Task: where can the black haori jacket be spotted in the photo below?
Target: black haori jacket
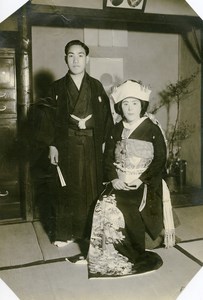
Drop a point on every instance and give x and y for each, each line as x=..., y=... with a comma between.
x=100, y=110
x=147, y=131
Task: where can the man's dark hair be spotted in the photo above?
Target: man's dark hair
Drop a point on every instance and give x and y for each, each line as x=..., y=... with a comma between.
x=76, y=42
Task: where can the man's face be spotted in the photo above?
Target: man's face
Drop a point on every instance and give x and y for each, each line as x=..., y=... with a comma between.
x=76, y=59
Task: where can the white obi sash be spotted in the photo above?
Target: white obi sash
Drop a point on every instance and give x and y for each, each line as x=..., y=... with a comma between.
x=132, y=158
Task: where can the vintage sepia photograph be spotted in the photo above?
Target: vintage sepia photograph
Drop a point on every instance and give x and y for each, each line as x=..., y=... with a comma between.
x=101, y=134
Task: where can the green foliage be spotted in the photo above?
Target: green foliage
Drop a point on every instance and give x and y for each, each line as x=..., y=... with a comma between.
x=174, y=93
x=183, y=131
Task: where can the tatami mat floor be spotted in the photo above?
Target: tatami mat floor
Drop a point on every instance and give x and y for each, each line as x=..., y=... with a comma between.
x=36, y=270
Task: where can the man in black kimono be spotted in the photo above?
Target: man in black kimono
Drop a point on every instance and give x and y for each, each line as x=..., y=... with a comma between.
x=83, y=120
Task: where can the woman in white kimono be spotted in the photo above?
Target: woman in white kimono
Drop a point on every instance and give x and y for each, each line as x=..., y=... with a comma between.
x=132, y=203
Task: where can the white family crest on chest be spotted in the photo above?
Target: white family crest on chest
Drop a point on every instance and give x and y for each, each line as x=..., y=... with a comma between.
x=100, y=99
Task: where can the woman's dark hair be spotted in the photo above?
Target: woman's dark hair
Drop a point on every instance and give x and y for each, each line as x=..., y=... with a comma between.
x=76, y=42
x=144, y=106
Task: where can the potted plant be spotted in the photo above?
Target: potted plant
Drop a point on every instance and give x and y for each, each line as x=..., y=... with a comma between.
x=173, y=94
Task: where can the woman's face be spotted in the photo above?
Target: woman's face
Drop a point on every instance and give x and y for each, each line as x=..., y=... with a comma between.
x=131, y=108
x=76, y=59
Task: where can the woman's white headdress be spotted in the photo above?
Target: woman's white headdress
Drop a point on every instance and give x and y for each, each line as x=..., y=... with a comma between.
x=130, y=89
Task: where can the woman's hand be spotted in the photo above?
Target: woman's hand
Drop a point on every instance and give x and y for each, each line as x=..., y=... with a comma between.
x=118, y=184
x=135, y=184
x=53, y=155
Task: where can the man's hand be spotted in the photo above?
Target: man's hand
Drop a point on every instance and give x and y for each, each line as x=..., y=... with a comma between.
x=53, y=155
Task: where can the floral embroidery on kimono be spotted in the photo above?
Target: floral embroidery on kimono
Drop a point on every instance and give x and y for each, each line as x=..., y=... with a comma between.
x=108, y=222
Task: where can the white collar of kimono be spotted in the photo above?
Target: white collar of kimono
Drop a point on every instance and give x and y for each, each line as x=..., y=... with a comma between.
x=133, y=126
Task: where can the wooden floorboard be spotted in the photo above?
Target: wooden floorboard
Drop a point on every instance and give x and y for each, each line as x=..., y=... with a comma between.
x=27, y=243
x=19, y=245
x=52, y=278
x=191, y=222
x=64, y=281
x=50, y=251
x=194, y=248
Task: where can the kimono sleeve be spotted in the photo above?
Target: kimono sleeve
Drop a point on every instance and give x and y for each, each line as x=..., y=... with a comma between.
x=107, y=116
x=157, y=166
x=109, y=154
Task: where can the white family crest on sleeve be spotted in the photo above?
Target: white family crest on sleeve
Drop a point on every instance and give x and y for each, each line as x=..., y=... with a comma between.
x=56, y=97
x=100, y=99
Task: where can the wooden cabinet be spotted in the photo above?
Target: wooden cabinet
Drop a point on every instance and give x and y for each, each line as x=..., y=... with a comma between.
x=9, y=161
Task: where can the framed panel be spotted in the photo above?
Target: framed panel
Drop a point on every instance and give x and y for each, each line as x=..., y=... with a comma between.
x=137, y=5
x=7, y=74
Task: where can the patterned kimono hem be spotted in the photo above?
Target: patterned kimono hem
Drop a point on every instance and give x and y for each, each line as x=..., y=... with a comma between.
x=148, y=262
